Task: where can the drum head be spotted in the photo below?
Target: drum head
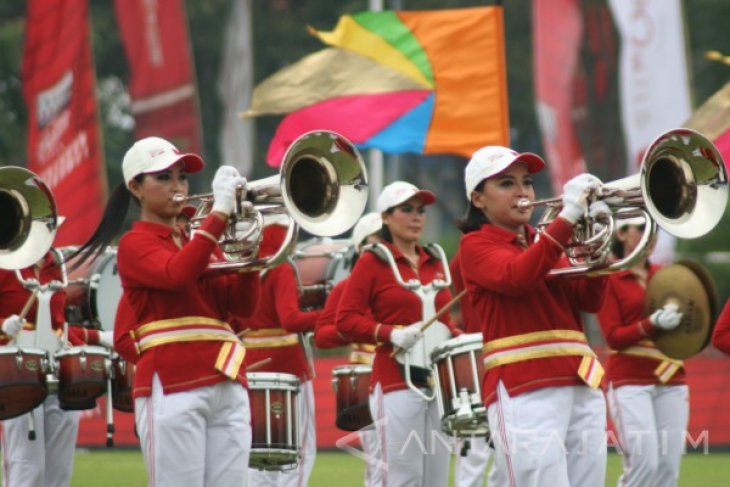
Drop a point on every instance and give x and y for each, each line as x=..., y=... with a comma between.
x=686, y=287
x=106, y=290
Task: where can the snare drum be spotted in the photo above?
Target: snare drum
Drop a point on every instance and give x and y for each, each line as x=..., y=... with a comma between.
x=122, y=384
x=22, y=380
x=351, y=384
x=94, y=290
x=458, y=374
x=320, y=264
x=275, y=440
x=82, y=376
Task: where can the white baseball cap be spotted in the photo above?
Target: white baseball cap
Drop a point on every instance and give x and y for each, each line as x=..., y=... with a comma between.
x=399, y=192
x=492, y=160
x=153, y=154
x=368, y=224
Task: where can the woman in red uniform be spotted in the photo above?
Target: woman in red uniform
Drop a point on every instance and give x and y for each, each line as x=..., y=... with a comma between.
x=191, y=404
x=721, y=332
x=276, y=332
x=47, y=460
x=375, y=308
x=547, y=415
x=647, y=393
x=365, y=232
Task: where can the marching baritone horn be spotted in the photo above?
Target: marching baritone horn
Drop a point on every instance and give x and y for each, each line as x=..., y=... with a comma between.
x=682, y=186
x=28, y=218
x=321, y=187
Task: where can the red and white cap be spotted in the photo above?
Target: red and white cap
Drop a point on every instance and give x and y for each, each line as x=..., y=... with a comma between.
x=399, y=192
x=492, y=160
x=154, y=154
x=367, y=225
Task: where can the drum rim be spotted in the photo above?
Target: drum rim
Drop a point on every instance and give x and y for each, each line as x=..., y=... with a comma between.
x=13, y=349
x=350, y=368
x=76, y=350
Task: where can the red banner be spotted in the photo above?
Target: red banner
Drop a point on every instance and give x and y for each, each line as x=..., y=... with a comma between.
x=63, y=138
x=162, y=83
x=557, y=37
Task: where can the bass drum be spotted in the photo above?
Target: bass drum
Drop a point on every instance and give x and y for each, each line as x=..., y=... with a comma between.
x=94, y=290
x=319, y=265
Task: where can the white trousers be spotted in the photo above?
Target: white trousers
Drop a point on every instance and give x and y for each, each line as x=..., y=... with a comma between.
x=373, y=462
x=553, y=437
x=298, y=477
x=416, y=452
x=46, y=461
x=650, y=422
x=470, y=470
x=195, y=438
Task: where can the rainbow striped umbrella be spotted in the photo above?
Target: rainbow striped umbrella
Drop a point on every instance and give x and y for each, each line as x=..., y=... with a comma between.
x=424, y=82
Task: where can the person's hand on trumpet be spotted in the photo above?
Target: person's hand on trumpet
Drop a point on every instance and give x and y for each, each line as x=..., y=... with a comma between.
x=405, y=338
x=576, y=197
x=225, y=182
x=666, y=318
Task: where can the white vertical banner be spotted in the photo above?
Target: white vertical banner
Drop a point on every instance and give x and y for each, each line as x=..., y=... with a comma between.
x=235, y=85
x=653, y=81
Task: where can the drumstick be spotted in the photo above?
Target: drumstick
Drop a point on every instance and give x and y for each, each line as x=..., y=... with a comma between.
x=258, y=364
x=432, y=320
x=28, y=304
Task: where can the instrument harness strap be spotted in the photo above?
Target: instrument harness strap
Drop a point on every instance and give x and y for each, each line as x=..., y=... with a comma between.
x=544, y=344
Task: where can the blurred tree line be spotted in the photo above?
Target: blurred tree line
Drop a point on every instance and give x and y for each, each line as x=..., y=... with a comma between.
x=280, y=38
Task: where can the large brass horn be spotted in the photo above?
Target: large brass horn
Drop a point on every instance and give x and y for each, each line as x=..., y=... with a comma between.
x=28, y=218
x=682, y=186
x=321, y=187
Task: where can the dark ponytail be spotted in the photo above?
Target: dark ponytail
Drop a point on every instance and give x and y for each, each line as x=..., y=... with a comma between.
x=109, y=227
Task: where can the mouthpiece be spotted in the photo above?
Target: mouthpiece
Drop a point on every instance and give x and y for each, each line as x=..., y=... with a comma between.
x=523, y=204
x=179, y=198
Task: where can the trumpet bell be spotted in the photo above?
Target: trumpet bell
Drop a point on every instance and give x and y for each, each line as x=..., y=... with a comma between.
x=28, y=218
x=684, y=183
x=325, y=183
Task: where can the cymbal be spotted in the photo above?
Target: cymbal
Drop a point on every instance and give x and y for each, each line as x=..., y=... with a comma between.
x=689, y=287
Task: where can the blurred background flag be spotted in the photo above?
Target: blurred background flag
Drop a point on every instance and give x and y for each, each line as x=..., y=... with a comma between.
x=63, y=128
x=424, y=82
x=713, y=120
x=234, y=88
x=162, y=82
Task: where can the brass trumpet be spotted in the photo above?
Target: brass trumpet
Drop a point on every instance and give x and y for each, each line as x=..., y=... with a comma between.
x=682, y=186
x=321, y=187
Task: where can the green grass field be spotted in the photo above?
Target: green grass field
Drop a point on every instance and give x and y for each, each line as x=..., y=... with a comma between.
x=124, y=468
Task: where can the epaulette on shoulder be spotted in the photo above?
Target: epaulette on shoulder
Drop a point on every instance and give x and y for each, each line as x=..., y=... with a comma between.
x=378, y=252
x=432, y=249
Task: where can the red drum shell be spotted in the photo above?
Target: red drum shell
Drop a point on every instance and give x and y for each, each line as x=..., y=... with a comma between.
x=318, y=273
x=275, y=442
x=352, y=386
x=22, y=380
x=122, y=385
x=82, y=376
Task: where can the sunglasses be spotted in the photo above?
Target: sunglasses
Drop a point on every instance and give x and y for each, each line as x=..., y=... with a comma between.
x=408, y=208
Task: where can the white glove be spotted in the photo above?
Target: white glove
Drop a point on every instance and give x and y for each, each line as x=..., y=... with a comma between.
x=575, y=196
x=12, y=325
x=666, y=318
x=598, y=208
x=106, y=339
x=405, y=338
x=224, y=189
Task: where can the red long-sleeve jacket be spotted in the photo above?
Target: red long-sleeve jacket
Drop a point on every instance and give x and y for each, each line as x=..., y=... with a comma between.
x=166, y=289
x=721, y=333
x=13, y=297
x=513, y=297
x=624, y=325
x=373, y=303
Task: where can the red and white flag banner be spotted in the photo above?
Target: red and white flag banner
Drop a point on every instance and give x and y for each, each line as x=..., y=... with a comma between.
x=63, y=135
x=653, y=76
x=162, y=83
x=557, y=36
